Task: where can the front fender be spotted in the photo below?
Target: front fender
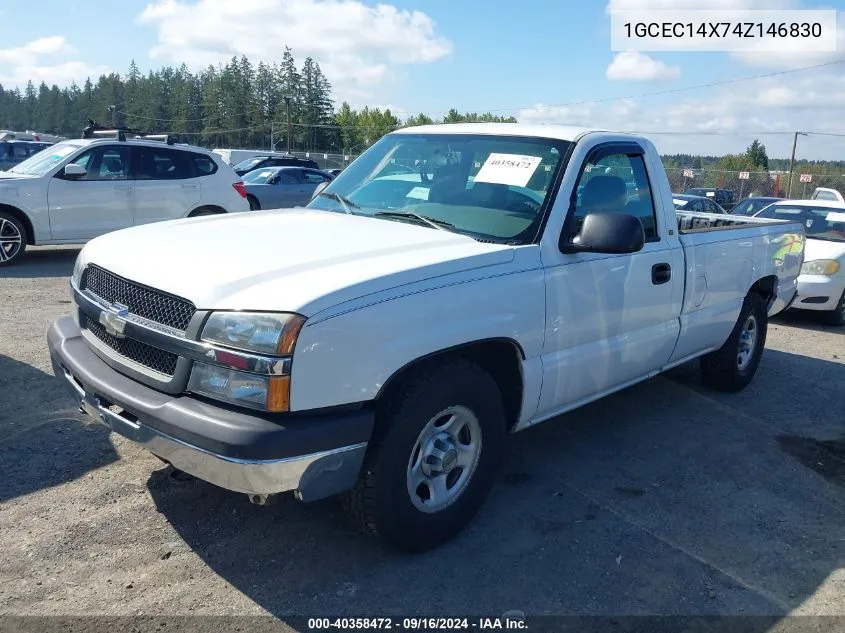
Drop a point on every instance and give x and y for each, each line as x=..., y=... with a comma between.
x=347, y=358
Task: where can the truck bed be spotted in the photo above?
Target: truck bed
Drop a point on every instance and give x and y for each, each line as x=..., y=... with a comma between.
x=691, y=222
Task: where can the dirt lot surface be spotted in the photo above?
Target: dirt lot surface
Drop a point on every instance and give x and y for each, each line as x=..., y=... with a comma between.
x=667, y=498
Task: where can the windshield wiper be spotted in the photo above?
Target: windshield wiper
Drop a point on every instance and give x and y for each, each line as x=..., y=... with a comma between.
x=344, y=202
x=440, y=225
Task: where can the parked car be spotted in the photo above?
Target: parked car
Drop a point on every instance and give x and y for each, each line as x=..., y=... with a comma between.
x=722, y=197
x=15, y=152
x=384, y=341
x=823, y=193
x=234, y=156
x=821, y=286
x=750, y=206
x=262, y=162
x=277, y=187
x=76, y=190
x=695, y=204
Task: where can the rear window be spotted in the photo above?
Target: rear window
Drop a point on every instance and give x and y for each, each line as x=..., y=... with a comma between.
x=204, y=165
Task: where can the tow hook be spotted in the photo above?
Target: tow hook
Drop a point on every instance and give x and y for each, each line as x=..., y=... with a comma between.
x=261, y=500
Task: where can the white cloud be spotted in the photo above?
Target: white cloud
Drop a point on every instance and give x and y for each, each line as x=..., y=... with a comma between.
x=724, y=120
x=357, y=46
x=47, y=59
x=634, y=66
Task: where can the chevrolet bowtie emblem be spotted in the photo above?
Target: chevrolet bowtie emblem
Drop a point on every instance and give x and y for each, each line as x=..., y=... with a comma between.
x=113, y=318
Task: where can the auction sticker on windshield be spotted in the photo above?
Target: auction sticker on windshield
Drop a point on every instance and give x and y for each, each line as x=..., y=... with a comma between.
x=508, y=169
x=835, y=216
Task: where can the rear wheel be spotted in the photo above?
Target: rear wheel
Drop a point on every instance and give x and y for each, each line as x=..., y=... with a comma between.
x=12, y=239
x=433, y=458
x=205, y=211
x=253, y=203
x=732, y=367
x=837, y=316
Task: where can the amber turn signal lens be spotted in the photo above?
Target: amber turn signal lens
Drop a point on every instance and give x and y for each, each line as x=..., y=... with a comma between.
x=290, y=332
x=278, y=394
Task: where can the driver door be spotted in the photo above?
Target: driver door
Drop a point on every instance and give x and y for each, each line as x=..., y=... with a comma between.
x=99, y=202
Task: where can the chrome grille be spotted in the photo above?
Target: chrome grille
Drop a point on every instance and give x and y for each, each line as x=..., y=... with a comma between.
x=151, y=304
x=150, y=357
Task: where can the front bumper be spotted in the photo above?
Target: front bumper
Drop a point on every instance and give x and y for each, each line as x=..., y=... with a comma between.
x=818, y=292
x=313, y=455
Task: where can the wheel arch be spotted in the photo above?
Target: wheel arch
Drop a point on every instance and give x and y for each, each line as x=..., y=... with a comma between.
x=23, y=218
x=207, y=207
x=766, y=288
x=501, y=357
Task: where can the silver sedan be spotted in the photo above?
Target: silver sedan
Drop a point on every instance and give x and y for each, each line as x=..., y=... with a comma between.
x=282, y=187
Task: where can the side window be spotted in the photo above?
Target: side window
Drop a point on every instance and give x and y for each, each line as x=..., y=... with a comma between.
x=203, y=165
x=19, y=150
x=162, y=164
x=288, y=177
x=617, y=183
x=312, y=177
x=110, y=162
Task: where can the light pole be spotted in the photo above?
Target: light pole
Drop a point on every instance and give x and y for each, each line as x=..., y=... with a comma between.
x=792, y=163
x=287, y=108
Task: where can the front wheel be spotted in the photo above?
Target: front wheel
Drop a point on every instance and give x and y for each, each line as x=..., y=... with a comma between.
x=731, y=367
x=433, y=459
x=837, y=315
x=12, y=239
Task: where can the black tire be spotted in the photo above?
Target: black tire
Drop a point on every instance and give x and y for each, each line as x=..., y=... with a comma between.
x=254, y=205
x=381, y=503
x=202, y=211
x=722, y=369
x=836, y=317
x=13, y=239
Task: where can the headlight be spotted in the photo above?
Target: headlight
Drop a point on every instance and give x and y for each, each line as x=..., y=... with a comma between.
x=267, y=393
x=820, y=267
x=257, y=332
x=78, y=267
x=267, y=336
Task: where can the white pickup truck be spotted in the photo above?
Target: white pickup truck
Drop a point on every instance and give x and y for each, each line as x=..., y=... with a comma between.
x=456, y=283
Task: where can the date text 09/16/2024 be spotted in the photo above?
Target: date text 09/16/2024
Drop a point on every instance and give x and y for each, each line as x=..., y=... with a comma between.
x=417, y=624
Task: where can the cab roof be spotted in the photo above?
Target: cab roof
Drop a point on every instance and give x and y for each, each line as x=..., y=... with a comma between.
x=558, y=132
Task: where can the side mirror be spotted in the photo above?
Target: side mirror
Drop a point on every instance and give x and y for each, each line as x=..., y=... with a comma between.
x=72, y=170
x=318, y=189
x=616, y=233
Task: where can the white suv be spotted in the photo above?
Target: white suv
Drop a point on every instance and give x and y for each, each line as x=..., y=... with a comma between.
x=75, y=190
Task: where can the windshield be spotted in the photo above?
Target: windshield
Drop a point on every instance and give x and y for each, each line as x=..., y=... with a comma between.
x=249, y=163
x=752, y=206
x=259, y=176
x=492, y=188
x=42, y=162
x=822, y=223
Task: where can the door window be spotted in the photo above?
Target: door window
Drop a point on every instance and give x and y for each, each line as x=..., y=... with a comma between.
x=616, y=183
x=162, y=164
x=110, y=162
x=312, y=177
x=287, y=177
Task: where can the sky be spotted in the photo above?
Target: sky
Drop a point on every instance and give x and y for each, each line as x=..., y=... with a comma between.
x=542, y=61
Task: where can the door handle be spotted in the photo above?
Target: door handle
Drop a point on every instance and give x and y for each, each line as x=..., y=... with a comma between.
x=189, y=186
x=122, y=187
x=660, y=274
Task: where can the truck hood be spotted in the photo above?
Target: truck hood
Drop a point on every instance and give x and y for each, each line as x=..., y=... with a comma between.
x=298, y=260
x=822, y=249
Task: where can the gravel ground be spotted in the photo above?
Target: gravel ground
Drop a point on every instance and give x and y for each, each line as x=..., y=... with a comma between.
x=665, y=499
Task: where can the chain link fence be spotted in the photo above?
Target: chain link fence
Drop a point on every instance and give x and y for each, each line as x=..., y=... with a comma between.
x=754, y=183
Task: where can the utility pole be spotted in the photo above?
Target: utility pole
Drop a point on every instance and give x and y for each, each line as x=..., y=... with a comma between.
x=287, y=107
x=792, y=163
x=272, y=147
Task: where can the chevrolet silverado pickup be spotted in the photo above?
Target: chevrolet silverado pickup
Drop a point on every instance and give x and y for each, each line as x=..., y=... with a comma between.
x=455, y=284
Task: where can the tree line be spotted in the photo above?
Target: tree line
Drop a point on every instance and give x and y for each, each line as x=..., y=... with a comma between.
x=237, y=104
